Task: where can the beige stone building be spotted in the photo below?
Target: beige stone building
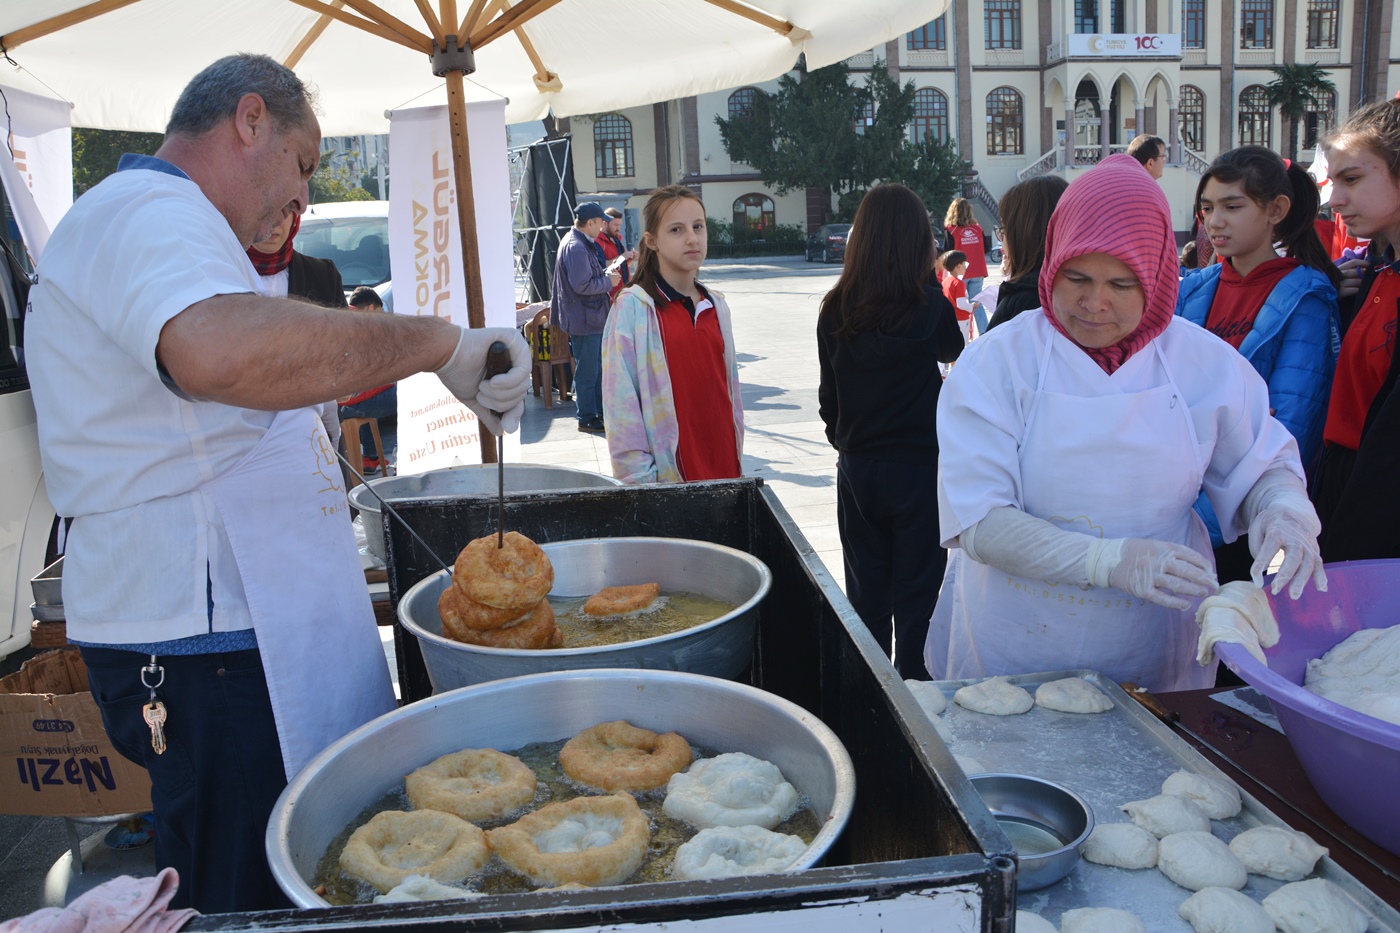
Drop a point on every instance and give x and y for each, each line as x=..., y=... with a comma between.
x=1032, y=86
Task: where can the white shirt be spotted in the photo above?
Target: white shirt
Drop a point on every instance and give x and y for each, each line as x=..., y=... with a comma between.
x=123, y=454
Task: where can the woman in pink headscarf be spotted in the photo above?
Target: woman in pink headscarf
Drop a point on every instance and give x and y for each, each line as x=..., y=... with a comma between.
x=1072, y=445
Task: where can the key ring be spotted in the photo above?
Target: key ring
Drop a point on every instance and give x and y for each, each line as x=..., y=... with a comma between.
x=152, y=668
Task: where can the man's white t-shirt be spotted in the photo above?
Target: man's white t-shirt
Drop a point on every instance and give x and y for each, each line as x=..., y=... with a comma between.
x=124, y=454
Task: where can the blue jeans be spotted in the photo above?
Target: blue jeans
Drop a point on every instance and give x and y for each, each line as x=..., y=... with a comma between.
x=588, y=374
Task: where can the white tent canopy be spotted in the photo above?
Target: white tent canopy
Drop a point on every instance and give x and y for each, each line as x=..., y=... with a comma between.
x=124, y=68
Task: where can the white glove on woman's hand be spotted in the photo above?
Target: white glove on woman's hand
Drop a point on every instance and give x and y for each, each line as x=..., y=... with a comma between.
x=1157, y=571
x=464, y=375
x=1294, y=531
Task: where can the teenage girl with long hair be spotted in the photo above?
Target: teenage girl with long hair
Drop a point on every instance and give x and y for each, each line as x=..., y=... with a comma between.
x=965, y=234
x=1280, y=312
x=879, y=333
x=670, y=377
x=1025, y=215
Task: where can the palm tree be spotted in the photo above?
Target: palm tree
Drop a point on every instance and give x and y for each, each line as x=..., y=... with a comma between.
x=1294, y=90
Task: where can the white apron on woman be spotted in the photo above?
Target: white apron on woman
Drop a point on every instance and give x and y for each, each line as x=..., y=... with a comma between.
x=1114, y=465
x=288, y=522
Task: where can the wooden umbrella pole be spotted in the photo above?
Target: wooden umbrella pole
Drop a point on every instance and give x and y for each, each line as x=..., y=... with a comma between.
x=466, y=220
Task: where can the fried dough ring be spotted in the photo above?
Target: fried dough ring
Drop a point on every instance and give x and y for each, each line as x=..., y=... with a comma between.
x=536, y=630
x=620, y=600
x=514, y=576
x=619, y=756
x=395, y=844
x=459, y=611
x=588, y=840
x=474, y=784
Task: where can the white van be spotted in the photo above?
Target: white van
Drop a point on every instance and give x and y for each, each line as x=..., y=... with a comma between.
x=352, y=234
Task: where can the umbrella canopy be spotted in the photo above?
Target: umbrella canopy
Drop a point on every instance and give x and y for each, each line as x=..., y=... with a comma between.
x=122, y=63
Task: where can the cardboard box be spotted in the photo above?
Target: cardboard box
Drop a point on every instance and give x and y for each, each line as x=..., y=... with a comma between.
x=63, y=762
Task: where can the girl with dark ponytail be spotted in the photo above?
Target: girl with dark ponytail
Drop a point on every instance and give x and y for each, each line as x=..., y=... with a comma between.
x=1279, y=311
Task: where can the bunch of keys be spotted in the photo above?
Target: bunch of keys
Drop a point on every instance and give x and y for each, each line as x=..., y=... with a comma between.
x=154, y=711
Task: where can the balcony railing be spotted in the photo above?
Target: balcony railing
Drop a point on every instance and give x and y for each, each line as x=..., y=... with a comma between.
x=1041, y=166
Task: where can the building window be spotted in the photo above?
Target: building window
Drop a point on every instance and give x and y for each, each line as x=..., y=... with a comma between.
x=612, y=146
x=1003, y=24
x=755, y=212
x=1005, y=122
x=1322, y=24
x=1254, y=117
x=741, y=103
x=866, y=118
x=1320, y=117
x=930, y=116
x=1118, y=17
x=933, y=37
x=1193, y=118
x=1256, y=24
x=1086, y=16
x=1193, y=24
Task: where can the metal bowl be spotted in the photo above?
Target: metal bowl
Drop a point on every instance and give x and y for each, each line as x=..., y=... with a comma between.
x=1046, y=822
x=479, y=479
x=366, y=764
x=720, y=648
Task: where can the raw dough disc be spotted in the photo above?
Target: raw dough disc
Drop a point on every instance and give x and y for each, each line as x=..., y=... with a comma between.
x=1219, y=799
x=1122, y=845
x=731, y=851
x=994, y=696
x=931, y=699
x=1027, y=922
x=1315, y=906
x=1223, y=910
x=1100, y=920
x=1199, y=860
x=1276, y=852
x=1072, y=695
x=1163, y=815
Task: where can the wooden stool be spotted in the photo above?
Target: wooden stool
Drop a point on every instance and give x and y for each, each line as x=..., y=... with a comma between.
x=350, y=431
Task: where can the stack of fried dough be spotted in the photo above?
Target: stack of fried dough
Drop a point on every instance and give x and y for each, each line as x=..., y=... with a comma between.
x=498, y=595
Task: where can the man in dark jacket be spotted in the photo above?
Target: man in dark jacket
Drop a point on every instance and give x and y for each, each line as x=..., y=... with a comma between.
x=579, y=307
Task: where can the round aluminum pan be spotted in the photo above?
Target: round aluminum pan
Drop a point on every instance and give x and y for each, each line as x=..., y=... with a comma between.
x=366, y=764
x=1025, y=799
x=720, y=648
x=475, y=480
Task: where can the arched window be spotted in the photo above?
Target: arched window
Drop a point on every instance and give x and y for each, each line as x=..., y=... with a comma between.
x=1321, y=116
x=1193, y=118
x=741, y=103
x=930, y=116
x=612, y=146
x=755, y=211
x=1255, y=125
x=1005, y=122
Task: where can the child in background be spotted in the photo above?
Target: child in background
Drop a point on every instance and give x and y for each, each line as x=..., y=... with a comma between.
x=670, y=377
x=954, y=265
x=1188, y=258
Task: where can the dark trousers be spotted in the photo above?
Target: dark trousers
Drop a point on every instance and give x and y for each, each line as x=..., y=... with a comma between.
x=887, y=514
x=213, y=790
x=588, y=374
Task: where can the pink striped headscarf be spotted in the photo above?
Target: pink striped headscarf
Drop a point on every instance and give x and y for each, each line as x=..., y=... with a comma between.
x=1116, y=208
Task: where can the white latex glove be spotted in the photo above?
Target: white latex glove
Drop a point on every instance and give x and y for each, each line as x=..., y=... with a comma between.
x=1157, y=571
x=464, y=376
x=1284, y=519
x=1239, y=614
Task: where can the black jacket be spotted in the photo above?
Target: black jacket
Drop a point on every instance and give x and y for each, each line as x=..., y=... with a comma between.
x=315, y=280
x=1016, y=295
x=879, y=392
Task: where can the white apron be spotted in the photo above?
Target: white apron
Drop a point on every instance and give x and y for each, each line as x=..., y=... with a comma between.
x=288, y=522
x=1120, y=465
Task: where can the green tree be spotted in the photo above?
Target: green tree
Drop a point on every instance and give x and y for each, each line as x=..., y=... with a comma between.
x=334, y=180
x=96, y=153
x=1294, y=89
x=936, y=173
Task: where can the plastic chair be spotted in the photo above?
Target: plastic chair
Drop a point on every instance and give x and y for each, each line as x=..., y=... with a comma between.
x=350, y=431
x=549, y=348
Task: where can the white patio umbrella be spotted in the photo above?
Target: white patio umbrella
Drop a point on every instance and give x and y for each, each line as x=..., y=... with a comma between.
x=122, y=63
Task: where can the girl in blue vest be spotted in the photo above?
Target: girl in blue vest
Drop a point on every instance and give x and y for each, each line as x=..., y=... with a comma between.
x=1279, y=311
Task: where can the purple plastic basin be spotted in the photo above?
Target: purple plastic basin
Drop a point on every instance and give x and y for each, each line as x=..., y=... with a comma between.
x=1352, y=759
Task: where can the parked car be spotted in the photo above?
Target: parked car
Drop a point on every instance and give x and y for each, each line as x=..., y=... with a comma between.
x=352, y=234
x=828, y=243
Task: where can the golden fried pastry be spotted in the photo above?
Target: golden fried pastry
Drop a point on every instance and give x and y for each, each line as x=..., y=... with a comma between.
x=589, y=840
x=620, y=600
x=515, y=576
x=476, y=784
x=619, y=756
x=395, y=844
x=536, y=630
x=459, y=611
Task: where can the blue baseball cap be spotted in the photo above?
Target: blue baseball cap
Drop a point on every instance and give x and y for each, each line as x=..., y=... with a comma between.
x=589, y=210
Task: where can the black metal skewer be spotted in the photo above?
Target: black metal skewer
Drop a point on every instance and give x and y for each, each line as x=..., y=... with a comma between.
x=397, y=517
x=497, y=362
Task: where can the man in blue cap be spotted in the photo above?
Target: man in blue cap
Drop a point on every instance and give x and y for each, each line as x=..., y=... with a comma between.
x=579, y=306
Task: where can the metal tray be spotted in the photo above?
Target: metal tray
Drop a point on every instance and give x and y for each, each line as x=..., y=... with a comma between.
x=47, y=585
x=43, y=613
x=1109, y=759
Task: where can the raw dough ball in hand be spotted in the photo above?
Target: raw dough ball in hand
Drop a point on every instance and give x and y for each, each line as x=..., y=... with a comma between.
x=1122, y=845
x=1199, y=860
x=1100, y=920
x=1275, y=852
x=994, y=696
x=1163, y=815
x=1027, y=922
x=1072, y=695
x=931, y=699
x=1315, y=906
x=1222, y=910
x=1219, y=799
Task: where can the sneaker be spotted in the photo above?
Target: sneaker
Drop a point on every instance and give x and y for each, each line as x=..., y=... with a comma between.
x=594, y=426
x=370, y=465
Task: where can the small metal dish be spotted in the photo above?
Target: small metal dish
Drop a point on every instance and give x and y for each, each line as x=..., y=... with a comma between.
x=1046, y=822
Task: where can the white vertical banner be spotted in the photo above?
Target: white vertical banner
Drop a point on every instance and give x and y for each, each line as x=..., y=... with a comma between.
x=36, y=163
x=425, y=251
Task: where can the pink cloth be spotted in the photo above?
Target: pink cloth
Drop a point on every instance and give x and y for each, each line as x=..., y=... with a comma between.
x=1118, y=209
x=122, y=905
